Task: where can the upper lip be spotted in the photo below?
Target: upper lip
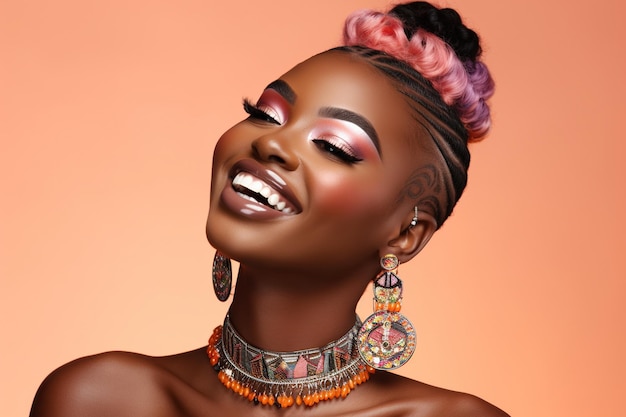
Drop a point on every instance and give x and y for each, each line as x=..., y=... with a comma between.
x=268, y=176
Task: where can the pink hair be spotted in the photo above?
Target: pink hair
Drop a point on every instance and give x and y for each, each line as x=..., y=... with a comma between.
x=464, y=86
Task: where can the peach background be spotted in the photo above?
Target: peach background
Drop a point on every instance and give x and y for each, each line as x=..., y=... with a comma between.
x=109, y=111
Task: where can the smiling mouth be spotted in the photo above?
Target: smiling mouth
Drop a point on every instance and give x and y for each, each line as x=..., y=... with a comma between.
x=252, y=188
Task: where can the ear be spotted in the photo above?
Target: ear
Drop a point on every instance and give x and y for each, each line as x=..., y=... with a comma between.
x=411, y=239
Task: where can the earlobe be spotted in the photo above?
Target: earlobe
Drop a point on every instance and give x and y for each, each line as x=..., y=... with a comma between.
x=413, y=237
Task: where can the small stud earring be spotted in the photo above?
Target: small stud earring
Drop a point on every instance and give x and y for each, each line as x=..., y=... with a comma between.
x=414, y=219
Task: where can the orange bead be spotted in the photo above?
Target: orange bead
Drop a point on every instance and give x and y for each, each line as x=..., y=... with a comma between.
x=251, y=396
x=270, y=400
x=263, y=399
x=283, y=400
x=298, y=400
x=290, y=401
x=331, y=393
x=245, y=391
x=345, y=391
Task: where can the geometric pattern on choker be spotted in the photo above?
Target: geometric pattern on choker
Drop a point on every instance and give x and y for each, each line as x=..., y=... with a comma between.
x=273, y=366
x=283, y=379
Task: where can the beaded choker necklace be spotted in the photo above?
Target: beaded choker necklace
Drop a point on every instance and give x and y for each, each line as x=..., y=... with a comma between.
x=283, y=379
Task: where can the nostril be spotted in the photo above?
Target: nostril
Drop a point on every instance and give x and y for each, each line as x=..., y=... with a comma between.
x=277, y=159
x=267, y=156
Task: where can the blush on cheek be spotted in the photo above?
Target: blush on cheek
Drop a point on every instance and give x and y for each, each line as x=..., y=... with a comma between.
x=337, y=197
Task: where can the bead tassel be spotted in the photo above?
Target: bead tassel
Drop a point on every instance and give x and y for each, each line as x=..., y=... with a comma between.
x=283, y=400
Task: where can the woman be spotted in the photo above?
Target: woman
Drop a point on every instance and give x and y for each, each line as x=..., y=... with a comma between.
x=347, y=163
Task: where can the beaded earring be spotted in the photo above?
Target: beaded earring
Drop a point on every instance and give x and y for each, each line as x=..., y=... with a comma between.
x=387, y=338
x=222, y=275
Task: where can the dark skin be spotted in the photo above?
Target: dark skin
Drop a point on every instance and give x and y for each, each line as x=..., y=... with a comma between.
x=317, y=254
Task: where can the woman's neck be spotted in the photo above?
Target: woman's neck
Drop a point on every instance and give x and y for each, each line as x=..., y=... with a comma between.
x=271, y=314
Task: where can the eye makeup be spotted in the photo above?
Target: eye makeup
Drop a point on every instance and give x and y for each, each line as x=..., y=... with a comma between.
x=343, y=140
x=258, y=113
x=273, y=104
x=355, y=119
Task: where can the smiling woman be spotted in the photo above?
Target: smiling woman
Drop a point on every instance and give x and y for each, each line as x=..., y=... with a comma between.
x=346, y=164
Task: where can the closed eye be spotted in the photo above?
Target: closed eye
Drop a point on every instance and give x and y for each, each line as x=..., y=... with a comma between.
x=257, y=113
x=337, y=151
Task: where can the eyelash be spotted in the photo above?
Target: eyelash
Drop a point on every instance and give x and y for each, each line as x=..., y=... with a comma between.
x=338, y=151
x=256, y=113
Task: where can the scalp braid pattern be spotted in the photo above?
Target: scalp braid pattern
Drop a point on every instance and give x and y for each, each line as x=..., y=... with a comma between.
x=433, y=59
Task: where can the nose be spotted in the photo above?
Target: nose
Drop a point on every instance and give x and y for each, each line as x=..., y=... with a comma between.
x=271, y=148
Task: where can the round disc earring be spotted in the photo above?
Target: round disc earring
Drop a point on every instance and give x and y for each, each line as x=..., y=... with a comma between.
x=387, y=339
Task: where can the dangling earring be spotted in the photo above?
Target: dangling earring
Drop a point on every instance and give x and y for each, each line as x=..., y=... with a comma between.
x=387, y=338
x=222, y=275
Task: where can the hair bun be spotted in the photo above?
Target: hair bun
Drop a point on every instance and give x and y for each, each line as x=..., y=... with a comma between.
x=445, y=23
x=437, y=44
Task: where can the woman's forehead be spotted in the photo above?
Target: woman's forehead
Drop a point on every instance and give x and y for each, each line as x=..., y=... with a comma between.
x=341, y=76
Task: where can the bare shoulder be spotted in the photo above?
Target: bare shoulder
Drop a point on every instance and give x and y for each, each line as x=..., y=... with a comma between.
x=418, y=399
x=87, y=387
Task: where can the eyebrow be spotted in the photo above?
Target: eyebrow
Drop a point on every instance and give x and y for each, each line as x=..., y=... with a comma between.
x=282, y=88
x=352, y=117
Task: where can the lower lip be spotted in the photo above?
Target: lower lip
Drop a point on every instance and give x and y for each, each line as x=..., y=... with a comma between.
x=246, y=208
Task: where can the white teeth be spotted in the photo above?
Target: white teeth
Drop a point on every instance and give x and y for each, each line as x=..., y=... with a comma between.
x=256, y=186
x=245, y=180
x=273, y=199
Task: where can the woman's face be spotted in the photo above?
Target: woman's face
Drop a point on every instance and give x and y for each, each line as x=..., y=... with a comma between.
x=314, y=179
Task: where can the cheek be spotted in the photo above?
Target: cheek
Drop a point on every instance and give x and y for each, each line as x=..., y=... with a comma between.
x=231, y=142
x=346, y=198
x=227, y=140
